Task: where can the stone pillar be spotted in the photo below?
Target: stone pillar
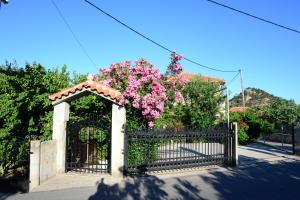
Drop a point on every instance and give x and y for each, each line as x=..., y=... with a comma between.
x=117, y=140
x=60, y=119
x=34, y=168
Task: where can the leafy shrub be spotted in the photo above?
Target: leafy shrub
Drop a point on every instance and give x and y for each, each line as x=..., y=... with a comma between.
x=243, y=137
x=250, y=127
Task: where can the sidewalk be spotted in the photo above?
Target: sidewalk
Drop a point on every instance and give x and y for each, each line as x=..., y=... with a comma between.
x=282, y=146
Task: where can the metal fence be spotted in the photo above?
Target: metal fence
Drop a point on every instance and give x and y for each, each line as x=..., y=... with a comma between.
x=297, y=139
x=281, y=138
x=155, y=150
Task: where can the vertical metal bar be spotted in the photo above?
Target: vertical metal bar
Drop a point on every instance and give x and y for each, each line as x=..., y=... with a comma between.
x=169, y=150
x=212, y=147
x=282, y=140
x=78, y=151
x=196, y=154
x=230, y=145
x=209, y=146
x=180, y=153
x=293, y=138
x=233, y=147
x=206, y=147
x=216, y=146
x=97, y=153
x=164, y=149
x=91, y=150
x=226, y=143
x=173, y=148
x=185, y=147
x=196, y=147
x=202, y=150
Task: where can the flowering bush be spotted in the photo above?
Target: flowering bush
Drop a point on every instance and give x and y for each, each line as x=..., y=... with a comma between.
x=174, y=82
x=174, y=67
x=143, y=87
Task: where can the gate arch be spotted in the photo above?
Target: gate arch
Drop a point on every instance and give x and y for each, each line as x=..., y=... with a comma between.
x=61, y=102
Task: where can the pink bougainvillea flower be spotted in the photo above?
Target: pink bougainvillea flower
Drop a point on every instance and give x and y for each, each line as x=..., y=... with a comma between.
x=144, y=87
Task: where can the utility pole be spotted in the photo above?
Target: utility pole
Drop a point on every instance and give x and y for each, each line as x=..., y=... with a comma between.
x=243, y=92
x=227, y=96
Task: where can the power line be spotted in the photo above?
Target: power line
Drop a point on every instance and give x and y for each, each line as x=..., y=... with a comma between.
x=242, y=87
x=73, y=34
x=227, y=84
x=152, y=41
x=255, y=17
x=232, y=79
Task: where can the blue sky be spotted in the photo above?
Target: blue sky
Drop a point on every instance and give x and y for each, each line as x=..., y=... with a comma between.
x=214, y=36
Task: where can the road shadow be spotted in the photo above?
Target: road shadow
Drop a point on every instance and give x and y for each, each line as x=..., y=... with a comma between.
x=185, y=190
x=148, y=187
x=135, y=188
x=263, y=181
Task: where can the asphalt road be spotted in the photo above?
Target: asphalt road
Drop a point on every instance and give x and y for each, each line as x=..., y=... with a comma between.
x=264, y=181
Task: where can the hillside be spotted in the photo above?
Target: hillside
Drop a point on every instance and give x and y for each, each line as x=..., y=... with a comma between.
x=254, y=98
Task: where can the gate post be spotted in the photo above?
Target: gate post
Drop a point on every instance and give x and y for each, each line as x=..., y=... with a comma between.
x=60, y=119
x=117, y=140
x=34, y=168
x=227, y=137
x=235, y=156
x=297, y=139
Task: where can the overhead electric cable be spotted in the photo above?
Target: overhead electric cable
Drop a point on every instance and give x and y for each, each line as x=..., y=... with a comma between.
x=73, y=34
x=232, y=79
x=152, y=41
x=227, y=84
x=255, y=17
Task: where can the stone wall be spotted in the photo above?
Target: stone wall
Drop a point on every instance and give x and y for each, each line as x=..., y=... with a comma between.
x=42, y=162
x=48, y=160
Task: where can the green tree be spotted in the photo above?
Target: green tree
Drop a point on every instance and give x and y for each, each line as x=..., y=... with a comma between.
x=201, y=107
x=250, y=126
x=281, y=111
x=25, y=111
x=202, y=102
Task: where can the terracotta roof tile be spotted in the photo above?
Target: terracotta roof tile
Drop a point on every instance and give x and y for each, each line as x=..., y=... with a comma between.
x=89, y=84
x=237, y=109
x=190, y=76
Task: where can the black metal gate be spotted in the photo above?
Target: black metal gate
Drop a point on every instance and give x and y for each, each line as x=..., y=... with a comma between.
x=156, y=150
x=88, y=146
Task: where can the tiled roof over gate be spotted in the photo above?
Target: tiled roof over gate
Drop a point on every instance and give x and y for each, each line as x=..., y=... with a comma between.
x=90, y=84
